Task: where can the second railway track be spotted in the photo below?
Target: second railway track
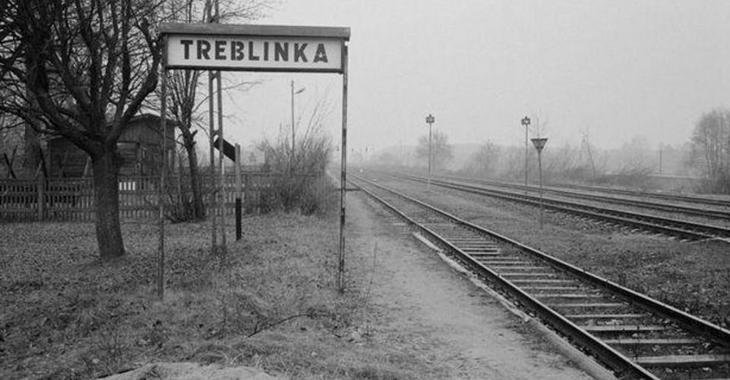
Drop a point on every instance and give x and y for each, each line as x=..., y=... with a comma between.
x=631, y=333
x=712, y=208
x=667, y=226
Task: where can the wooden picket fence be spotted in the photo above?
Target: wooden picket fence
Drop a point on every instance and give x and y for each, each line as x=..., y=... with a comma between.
x=72, y=199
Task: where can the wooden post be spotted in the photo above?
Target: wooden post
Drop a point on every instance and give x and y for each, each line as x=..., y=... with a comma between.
x=213, y=207
x=343, y=177
x=247, y=197
x=221, y=162
x=239, y=191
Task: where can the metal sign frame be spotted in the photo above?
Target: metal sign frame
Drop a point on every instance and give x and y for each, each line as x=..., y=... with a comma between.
x=338, y=34
x=292, y=33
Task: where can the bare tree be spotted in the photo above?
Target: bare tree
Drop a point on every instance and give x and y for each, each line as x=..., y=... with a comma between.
x=441, y=151
x=633, y=157
x=313, y=153
x=185, y=97
x=588, y=147
x=81, y=69
x=485, y=161
x=711, y=148
x=315, y=146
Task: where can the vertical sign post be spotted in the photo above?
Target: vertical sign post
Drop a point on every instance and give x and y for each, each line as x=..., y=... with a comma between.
x=239, y=191
x=343, y=179
x=539, y=144
x=160, y=190
x=222, y=186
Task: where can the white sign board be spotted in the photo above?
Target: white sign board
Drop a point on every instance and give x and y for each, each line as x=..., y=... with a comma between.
x=253, y=52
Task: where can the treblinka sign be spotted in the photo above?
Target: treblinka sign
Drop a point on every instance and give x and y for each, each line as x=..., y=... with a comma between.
x=255, y=47
x=219, y=47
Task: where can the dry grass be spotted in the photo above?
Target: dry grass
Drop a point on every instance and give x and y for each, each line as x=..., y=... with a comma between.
x=64, y=315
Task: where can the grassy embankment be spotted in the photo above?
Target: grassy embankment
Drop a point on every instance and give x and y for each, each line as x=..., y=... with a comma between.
x=272, y=305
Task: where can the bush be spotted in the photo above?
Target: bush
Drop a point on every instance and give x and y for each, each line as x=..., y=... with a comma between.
x=319, y=197
x=303, y=184
x=719, y=185
x=309, y=194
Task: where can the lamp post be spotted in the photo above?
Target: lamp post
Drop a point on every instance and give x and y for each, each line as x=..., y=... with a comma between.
x=291, y=158
x=526, y=123
x=429, y=120
x=539, y=143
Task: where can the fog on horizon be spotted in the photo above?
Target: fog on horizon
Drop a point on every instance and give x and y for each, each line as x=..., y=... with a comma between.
x=616, y=71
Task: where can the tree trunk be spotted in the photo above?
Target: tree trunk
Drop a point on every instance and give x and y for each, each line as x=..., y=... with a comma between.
x=31, y=149
x=31, y=141
x=106, y=199
x=198, y=207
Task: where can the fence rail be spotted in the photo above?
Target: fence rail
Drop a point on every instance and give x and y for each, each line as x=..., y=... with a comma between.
x=72, y=199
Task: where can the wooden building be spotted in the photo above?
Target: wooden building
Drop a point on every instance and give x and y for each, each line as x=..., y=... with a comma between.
x=139, y=146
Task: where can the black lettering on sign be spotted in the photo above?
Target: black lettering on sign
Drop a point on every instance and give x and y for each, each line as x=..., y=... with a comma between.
x=281, y=51
x=299, y=52
x=321, y=54
x=203, y=49
x=220, y=50
x=187, y=44
x=251, y=57
x=236, y=50
x=266, y=50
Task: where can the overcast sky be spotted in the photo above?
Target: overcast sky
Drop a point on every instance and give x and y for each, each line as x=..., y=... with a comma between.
x=618, y=69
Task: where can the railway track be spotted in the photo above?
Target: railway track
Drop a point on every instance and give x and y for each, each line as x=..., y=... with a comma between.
x=704, y=211
x=630, y=333
x=660, y=196
x=651, y=223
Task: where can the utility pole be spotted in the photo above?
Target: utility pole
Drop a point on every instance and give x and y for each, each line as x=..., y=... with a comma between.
x=429, y=120
x=291, y=158
x=222, y=179
x=660, y=158
x=526, y=123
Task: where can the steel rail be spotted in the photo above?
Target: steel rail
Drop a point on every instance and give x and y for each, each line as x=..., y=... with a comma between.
x=603, y=198
x=691, y=323
x=643, y=194
x=695, y=324
x=673, y=197
x=617, y=362
x=673, y=227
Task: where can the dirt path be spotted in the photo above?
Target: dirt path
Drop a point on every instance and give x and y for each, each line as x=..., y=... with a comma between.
x=426, y=307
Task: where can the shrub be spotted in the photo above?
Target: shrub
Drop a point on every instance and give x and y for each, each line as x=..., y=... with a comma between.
x=302, y=184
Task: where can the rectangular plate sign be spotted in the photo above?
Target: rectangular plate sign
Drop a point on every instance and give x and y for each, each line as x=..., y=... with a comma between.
x=254, y=48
